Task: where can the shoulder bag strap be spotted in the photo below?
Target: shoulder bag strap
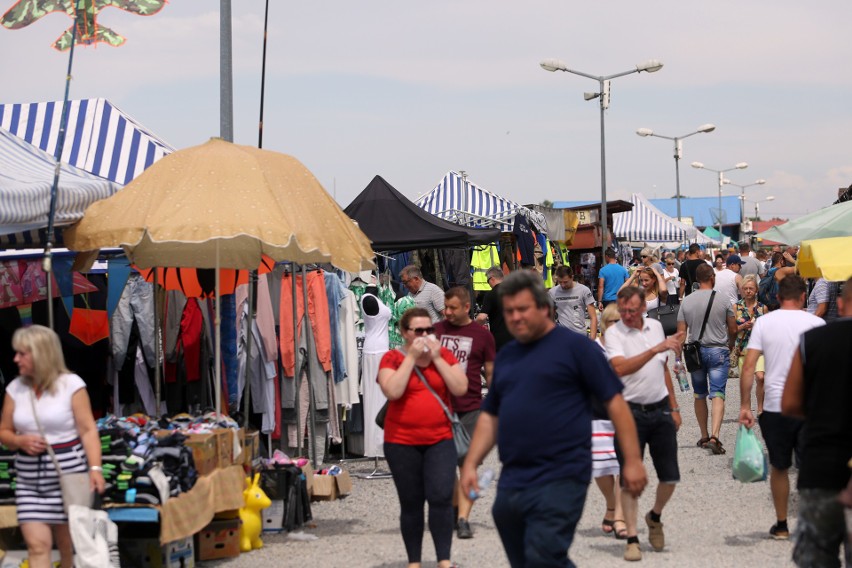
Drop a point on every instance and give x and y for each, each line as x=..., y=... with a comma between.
x=706, y=315
x=438, y=398
x=41, y=431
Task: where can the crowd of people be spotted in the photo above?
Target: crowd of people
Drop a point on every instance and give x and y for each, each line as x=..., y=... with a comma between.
x=563, y=412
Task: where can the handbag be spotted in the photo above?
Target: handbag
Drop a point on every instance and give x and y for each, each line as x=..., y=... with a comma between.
x=460, y=436
x=380, y=417
x=692, y=349
x=667, y=316
x=76, y=487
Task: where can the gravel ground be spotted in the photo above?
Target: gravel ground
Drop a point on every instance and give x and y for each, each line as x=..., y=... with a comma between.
x=712, y=520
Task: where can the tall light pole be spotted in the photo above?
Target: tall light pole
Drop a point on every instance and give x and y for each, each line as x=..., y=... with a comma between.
x=758, y=202
x=743, y=199
x=678, y=151
x=651, y=66
x=700, y=166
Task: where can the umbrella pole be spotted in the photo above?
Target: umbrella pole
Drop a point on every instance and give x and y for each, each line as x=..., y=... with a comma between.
x=250, y=319
x=312, y=417
x=157, y=388
x=296, y=377
x=217, y=373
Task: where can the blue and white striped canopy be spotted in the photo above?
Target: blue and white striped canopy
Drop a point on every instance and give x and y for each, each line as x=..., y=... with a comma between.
x=454, y=196
x=100, y=138
x=26, y=180
x=646, y=223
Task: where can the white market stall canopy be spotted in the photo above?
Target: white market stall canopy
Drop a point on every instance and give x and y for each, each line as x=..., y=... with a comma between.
x=100, y=138
x=26, y=180
x=460, y=201
x=646, y=223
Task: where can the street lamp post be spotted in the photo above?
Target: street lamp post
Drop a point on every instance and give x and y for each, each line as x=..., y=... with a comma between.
x=650, y=66
x=700, y=166
x=678, y=151
x=758, y=202
x=743, y=199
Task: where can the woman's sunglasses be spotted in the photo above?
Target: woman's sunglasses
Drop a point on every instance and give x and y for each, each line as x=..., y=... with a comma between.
x=422, y=330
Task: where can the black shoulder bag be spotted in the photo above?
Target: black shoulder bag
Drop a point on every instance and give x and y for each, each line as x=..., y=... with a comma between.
x=692, y=349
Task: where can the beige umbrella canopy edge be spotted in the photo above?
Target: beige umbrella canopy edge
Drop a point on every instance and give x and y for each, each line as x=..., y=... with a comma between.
x=242, y=200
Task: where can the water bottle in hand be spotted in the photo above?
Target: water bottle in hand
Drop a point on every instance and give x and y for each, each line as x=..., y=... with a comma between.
x=682, y=377
x=485, y=479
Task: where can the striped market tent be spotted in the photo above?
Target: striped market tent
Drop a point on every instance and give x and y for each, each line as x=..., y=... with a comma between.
x=100, y=139
x=461, y=201
x=26, y=180
x=646, y=223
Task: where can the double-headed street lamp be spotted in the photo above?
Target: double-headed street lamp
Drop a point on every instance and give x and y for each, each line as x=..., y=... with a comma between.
x=743, y=199
x=678, y=151
x=603, y=94
x=700, y=166
x=757, y=202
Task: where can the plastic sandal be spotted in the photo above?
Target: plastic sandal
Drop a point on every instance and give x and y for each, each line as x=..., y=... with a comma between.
x=715, y=446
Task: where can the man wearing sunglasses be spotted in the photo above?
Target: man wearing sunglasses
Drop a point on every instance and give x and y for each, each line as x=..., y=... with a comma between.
x=426, y=295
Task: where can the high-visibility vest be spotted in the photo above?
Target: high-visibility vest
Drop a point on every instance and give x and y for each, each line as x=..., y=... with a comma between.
x=548, y=260
x=480, y=262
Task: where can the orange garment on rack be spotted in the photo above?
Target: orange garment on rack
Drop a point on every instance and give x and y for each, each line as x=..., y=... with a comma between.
x=317, y=313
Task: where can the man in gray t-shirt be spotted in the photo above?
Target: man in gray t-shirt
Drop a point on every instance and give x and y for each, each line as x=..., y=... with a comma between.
x=750, y=264
x=711, y=379
x=573, y=301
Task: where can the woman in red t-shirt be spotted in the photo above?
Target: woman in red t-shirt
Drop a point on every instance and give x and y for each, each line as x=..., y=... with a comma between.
x=419, y=444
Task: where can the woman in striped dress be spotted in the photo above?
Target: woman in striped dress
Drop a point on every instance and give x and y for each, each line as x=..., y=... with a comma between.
x=59, y=398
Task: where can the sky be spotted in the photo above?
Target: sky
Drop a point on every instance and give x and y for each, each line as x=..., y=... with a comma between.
x=411, y=90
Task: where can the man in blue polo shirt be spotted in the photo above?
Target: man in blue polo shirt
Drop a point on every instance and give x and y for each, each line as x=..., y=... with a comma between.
x=610, y=279
x=539, y=408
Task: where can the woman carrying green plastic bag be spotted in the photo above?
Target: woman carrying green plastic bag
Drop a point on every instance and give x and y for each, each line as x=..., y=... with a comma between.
x=749, y=459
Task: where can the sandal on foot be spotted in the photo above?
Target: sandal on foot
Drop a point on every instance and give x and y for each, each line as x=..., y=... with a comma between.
x=702, y=443
x=606, y=524
x=715, y=446
x=620, y=533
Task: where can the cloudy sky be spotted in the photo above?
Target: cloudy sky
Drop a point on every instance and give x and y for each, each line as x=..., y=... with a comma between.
x=410, y=90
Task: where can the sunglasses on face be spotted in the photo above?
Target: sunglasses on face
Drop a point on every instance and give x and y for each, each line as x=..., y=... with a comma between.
x=670, y=264
x=422, y=330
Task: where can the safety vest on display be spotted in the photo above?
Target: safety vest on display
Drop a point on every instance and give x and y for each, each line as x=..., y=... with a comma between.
x=548, y=260
x=482, y=260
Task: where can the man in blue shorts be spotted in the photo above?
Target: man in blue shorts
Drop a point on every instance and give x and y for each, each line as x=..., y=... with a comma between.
x=539, y=412
x=610, y=279
x=717, y=339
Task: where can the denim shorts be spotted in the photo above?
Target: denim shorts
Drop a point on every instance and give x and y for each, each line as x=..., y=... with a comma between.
x=715, y=362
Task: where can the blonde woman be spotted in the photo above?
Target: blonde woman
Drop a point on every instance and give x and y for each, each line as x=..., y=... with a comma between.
x=652, y=282
x=604, y=461
x=64, y=411
x=746, y=311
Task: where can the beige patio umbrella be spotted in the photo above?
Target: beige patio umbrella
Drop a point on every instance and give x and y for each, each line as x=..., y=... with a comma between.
x=222, y=205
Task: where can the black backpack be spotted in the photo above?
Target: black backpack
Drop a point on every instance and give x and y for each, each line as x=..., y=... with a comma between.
x=767, y=290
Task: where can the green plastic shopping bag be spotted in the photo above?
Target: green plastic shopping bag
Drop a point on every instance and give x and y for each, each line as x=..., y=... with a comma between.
x=749, y=460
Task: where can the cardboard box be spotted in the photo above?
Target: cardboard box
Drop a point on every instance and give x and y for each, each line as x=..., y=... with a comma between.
x=224, y=446
x=308, y=470
x=273, y=516
x=331, y=487
x=204, y=452
x=250, y=444
x=147, y=553
x=219, y=539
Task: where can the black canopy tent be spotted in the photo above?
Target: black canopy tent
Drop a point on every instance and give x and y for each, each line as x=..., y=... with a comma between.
x=395, y=224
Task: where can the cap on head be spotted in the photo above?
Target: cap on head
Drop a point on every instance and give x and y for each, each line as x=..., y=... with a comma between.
x=733, y=259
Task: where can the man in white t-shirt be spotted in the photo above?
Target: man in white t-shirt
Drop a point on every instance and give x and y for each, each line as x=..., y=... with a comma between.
x=638, y=350
x=573, y=301
x=776, y=336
